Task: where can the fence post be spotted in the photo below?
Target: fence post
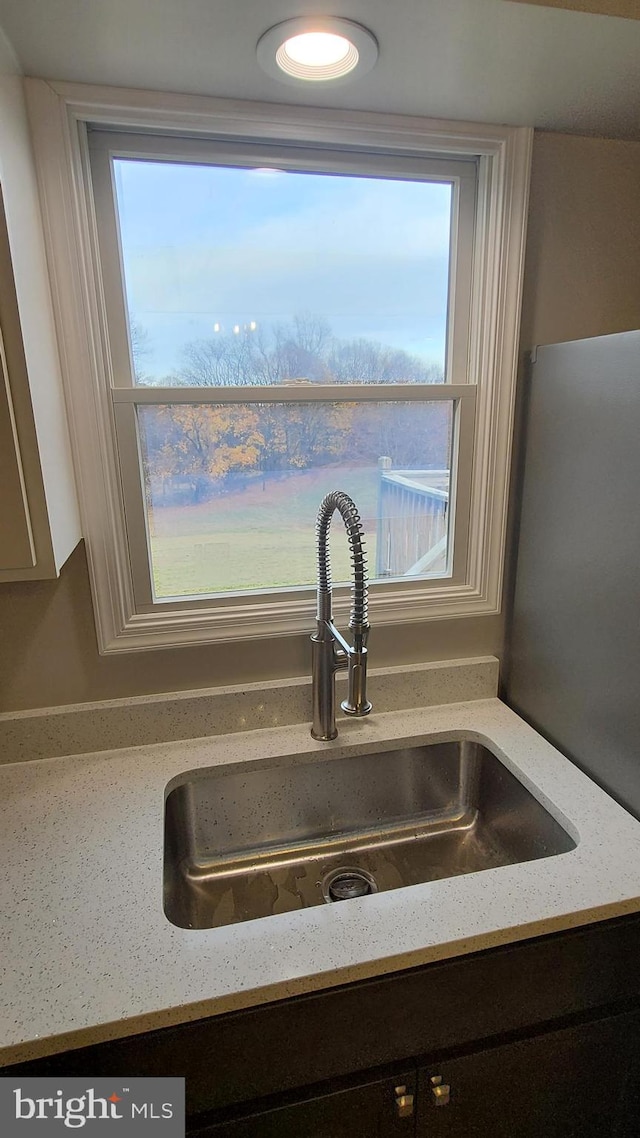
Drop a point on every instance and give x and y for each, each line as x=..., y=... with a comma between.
x=383, y=552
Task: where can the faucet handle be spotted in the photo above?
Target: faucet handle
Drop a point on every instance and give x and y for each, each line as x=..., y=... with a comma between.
x=356, y=702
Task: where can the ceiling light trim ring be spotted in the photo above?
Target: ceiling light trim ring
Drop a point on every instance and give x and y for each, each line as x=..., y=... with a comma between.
x=360, y=57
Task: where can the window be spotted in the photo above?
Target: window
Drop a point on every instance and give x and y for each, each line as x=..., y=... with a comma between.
x=324, y=279
x=273, y=308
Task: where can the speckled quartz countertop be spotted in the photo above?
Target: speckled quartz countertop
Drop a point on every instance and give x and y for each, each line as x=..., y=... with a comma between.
x=88, y=954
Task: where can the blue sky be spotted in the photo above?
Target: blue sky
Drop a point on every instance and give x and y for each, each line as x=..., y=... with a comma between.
x=205, y=245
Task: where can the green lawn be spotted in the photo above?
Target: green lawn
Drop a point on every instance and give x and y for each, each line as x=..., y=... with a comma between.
x=257, y=538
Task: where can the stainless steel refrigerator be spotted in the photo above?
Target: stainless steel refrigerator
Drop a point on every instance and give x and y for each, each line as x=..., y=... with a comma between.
x=573, y=648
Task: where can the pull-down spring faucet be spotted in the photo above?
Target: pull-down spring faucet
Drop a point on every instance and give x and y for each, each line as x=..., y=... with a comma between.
x=327, y=658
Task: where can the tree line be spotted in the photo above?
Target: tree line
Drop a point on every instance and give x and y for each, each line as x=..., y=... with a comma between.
x=193, y=451
x=305, y=348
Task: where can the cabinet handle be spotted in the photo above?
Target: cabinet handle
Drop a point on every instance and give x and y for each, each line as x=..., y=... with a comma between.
x=440, y=1091
x=404, y=1103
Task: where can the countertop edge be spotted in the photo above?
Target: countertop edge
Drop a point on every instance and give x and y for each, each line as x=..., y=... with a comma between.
x=304, y=985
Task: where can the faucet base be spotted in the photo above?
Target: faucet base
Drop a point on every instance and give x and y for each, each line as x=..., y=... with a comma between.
x=358, y=712
x=323, y=738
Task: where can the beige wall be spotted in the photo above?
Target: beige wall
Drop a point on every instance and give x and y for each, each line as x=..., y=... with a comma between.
x=582, y=278
x=582, y=272
x=48, y=651
x=625, y=8
x=582, y=275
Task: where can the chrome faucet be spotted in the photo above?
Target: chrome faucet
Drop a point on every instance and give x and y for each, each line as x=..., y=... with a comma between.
x=330, y=651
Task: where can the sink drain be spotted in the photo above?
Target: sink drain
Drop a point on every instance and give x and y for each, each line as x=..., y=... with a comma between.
x=344, y=884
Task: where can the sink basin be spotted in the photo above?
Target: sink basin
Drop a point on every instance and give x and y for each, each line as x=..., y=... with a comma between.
x=246, y=843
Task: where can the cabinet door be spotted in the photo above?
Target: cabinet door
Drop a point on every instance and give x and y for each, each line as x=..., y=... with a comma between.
x=38, y=527
x=380, y=1109
x=16, y=539
x=563, y=1084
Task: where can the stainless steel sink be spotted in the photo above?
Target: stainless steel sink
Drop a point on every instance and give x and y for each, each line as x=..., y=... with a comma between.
x=250, y=843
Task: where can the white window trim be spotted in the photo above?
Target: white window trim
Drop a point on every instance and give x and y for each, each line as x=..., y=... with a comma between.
x=59, y=114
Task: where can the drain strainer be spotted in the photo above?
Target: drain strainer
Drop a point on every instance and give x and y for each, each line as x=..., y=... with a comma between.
x=343, y=884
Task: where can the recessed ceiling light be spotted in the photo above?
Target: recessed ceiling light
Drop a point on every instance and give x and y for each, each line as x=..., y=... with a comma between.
x=325, y=49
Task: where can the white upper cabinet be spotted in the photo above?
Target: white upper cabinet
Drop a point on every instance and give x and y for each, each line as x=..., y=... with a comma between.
x=39, y=519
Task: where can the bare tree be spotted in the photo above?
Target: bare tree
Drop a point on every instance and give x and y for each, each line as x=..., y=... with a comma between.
x=225, y=361
x=366, y=361
x=140, y=347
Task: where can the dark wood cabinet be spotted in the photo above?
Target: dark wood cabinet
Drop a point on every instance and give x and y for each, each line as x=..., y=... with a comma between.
x=540, y=1038
x=570, y=1083
x=381, y=1108
x=576, y=1082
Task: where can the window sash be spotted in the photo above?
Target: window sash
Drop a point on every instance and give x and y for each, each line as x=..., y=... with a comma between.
x=461, y=173
x=136, y=516
x=294, y=393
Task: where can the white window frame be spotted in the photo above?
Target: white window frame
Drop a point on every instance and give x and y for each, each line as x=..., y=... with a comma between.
x=60, y=114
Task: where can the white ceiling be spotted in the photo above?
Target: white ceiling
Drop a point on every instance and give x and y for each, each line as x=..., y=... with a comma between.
x=484, y=60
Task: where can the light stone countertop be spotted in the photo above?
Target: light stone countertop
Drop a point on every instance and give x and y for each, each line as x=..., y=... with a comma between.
x=132, y=721
x=88, y=954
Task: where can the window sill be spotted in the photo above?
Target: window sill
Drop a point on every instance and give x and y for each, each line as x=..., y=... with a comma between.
x=234, y=620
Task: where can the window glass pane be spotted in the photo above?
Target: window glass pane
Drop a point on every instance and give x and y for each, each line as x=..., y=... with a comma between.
x=262, y=276
x=232, y=492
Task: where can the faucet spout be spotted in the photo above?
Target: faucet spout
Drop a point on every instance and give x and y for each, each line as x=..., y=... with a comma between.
x=330, y=651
